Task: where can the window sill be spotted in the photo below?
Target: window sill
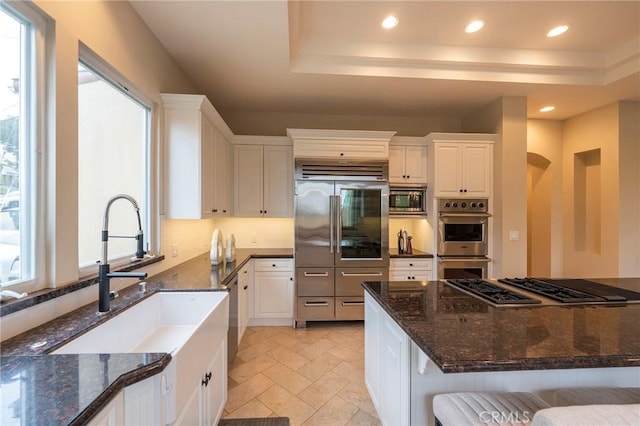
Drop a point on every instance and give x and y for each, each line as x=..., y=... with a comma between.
x=14, y=305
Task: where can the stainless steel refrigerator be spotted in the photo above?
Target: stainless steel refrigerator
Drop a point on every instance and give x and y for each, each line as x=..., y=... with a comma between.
x=341, y=236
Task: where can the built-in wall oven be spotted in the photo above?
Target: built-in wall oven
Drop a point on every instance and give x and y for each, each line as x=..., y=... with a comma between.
x=463, y=238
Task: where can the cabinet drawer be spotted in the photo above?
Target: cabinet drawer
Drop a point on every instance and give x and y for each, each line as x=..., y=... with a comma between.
x=266, y=265
x=409, y=275
x=315, y=308
x=350, y=308
x=314, y=282
x=414, y=263
x=349, y=280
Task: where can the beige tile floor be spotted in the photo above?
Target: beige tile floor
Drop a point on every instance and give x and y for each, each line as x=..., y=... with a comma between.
x=313, y=375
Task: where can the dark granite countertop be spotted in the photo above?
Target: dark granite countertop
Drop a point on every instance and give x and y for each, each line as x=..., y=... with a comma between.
x=461, y=333
x=48, y=386
x=393, y=253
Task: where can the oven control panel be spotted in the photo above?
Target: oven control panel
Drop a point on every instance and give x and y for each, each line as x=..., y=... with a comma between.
x=463, y=205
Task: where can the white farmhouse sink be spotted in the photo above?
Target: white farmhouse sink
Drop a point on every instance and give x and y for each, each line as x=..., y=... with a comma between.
x=188, y=325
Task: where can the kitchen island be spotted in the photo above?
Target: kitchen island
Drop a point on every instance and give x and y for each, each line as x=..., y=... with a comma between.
x=425, y=338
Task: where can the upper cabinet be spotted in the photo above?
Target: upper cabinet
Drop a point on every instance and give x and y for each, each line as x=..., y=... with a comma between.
x=460, y=164
x=263, y=180
x=340, y=144
x=197, y=158
x=408, y=164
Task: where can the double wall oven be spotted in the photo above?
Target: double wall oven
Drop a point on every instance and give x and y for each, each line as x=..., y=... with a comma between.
x=463, y=238
x=341, y=236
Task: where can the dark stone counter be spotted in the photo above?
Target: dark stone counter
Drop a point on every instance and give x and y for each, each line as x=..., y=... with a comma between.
x=393, y=253
x=46, y=388
x=461, y=333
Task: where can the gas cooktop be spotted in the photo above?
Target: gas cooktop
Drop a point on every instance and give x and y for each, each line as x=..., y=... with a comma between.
x=553, y=291
x=492, y=292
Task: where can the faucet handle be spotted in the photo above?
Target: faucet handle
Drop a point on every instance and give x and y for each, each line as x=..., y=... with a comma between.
x=142, y=286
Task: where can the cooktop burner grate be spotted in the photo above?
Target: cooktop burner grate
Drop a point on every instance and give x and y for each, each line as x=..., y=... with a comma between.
x=552, y=291
x=492, y=292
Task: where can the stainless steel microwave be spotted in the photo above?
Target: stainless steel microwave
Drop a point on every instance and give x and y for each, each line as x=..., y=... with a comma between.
x=407, y=201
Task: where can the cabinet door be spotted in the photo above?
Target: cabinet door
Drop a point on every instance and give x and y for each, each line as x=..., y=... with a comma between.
x=247, y=180
x=476, y=170
x=278, y=181
x=213, y=395
x=447, y=170
x=244, y=284
x=207, y=159
x=396, y=164
x=372, y=349
x=415, y=164
x=273, y=297
x=395, y=374
x=222, y=181
x=112, y=414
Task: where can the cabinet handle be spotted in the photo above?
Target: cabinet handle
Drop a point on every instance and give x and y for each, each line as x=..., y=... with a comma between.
x=224, y=211
x=465, y=190
x=290, y=278
x=461, y=190
x=316, y=274
x=341, y=154
x=215, y=210
x=316, y=304
x=408, y=177
x=363, y=274
x=352, y=303
x=245, y=287
x=411, y=264
x=265, y=212
x=273, y=264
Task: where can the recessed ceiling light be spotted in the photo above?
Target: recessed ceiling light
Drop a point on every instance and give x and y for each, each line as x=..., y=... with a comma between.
x=474, y=26
x=547, y=108
x=557, y=31
x=390, y=22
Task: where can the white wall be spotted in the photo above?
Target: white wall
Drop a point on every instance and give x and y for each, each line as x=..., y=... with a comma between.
x=544, y=139
x=507, y=117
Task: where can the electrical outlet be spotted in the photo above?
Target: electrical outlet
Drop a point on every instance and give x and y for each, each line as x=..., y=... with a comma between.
x=514, y=235
x=174, y=250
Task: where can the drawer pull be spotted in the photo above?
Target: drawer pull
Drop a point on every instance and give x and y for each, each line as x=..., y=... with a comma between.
x=316, y=304
x=352, y=303
x=316, y=274
x=361, y=274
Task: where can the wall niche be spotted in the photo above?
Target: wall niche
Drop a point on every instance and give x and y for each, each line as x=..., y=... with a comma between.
x=587, y=204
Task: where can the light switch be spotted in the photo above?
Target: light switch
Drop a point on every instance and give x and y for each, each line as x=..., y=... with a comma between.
x=514, y=235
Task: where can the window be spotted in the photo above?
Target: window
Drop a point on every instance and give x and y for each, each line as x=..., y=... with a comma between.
x=113, y=158
x=21, y=44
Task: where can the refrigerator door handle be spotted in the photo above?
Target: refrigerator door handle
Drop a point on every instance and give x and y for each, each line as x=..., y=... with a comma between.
x=338, y=209
x=331, y=223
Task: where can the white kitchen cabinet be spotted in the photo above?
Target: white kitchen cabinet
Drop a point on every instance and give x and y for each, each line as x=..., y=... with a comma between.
x=206, y=401
x=340, y=144
x=408, y=164
x=112, y=414
x=197, y=158
x=460, y=164
x=404, y=269
x=273, y=292
x=387, y=365
x=263, y=180
x=245, y=287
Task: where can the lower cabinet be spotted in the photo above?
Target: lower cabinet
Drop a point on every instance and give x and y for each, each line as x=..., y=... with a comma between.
x=112, y=414
x=273, y=292
x=419, y=269
x=206, y=402
x=245, y=287
x=387, y=365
